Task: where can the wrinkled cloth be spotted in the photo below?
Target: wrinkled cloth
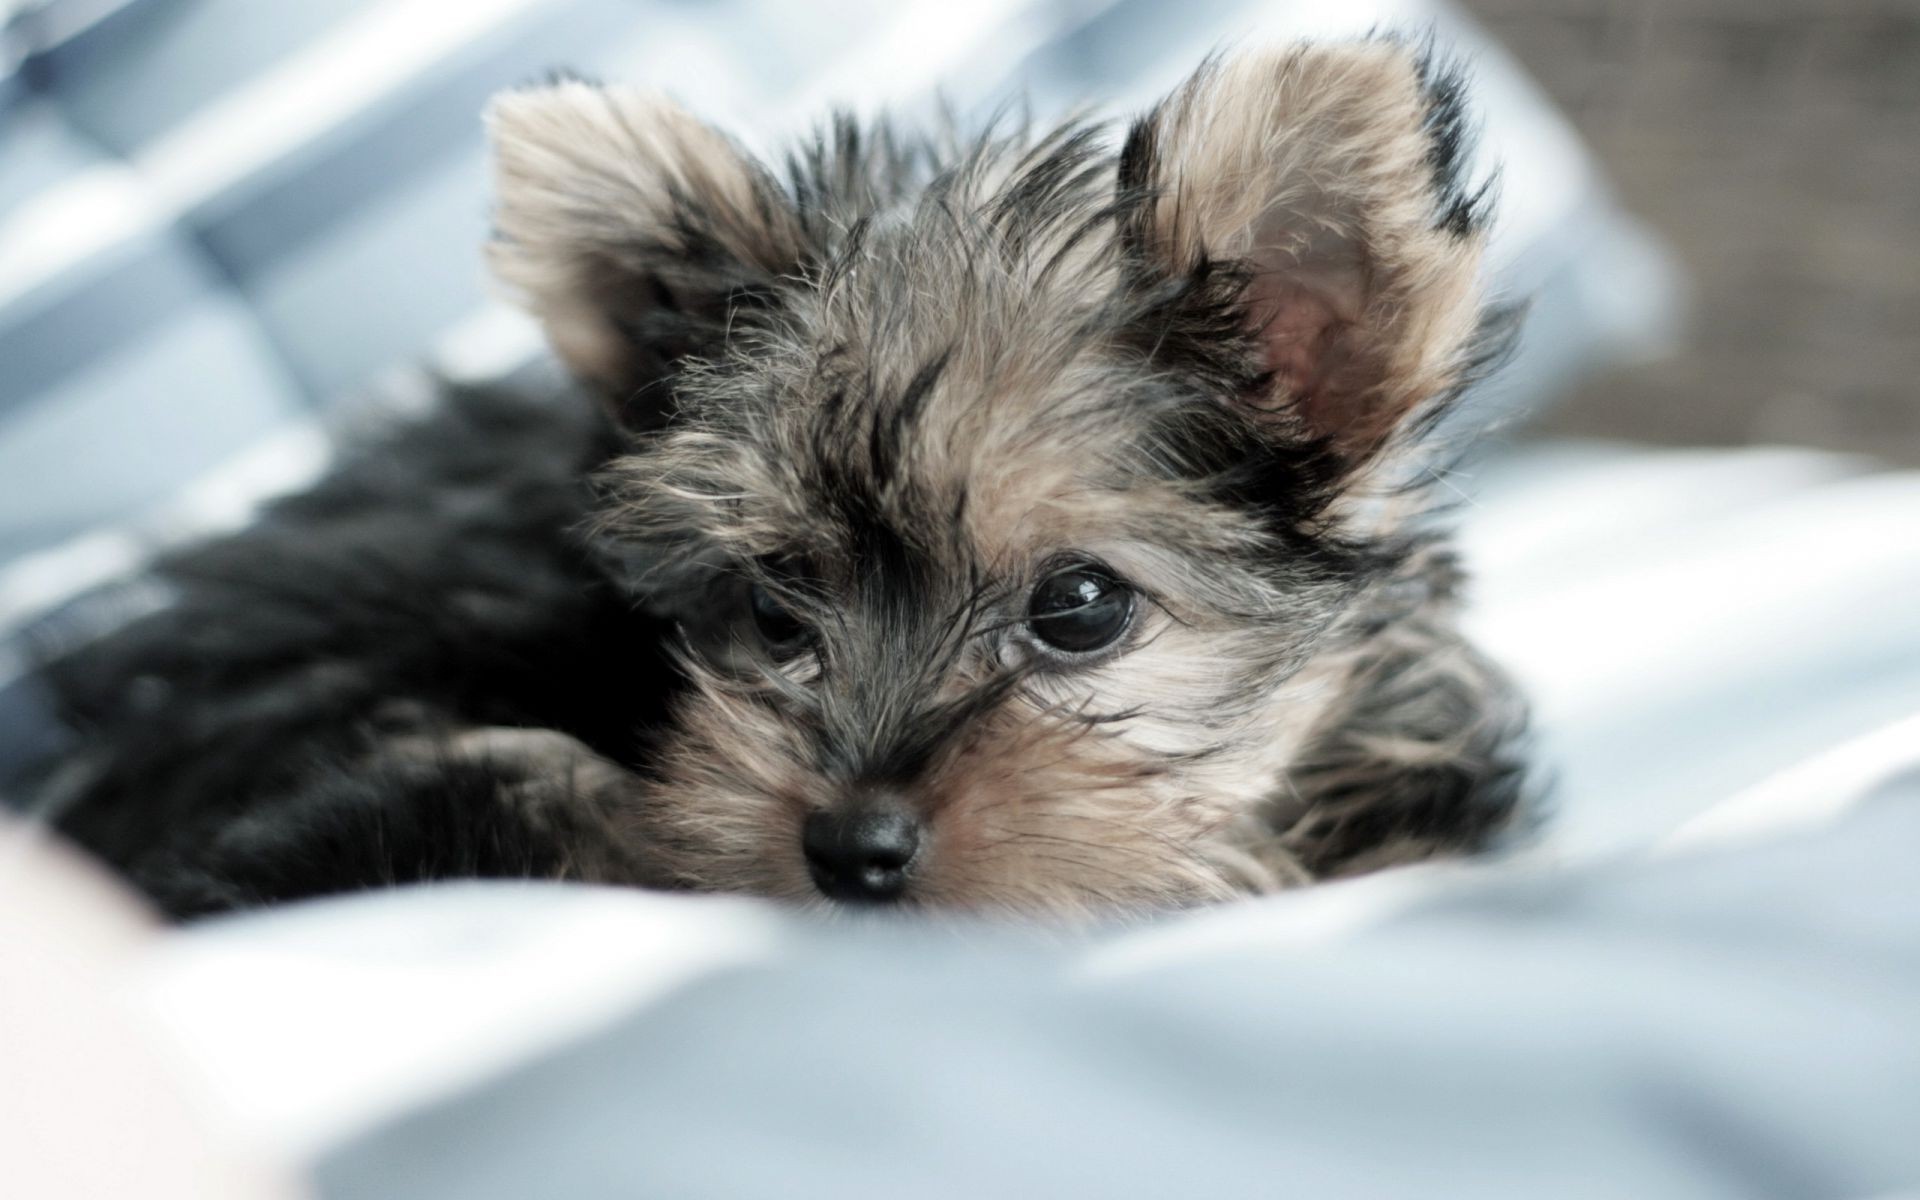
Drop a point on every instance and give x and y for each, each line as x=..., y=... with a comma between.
x=1737, y=1018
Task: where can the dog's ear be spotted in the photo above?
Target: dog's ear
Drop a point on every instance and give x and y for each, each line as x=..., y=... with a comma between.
x=632, y=230
x=1326, y=177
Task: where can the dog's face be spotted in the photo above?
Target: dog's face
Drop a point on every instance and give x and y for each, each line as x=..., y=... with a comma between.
x=1011, y=496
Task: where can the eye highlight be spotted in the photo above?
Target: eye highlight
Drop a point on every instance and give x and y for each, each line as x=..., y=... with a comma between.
x=1079, y=609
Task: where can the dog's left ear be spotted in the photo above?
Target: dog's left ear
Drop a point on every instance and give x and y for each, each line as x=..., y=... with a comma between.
x=1326, y=174
x=634, y=231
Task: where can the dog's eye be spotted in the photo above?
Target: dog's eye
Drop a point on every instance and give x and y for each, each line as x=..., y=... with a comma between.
x=774, y=620
x=1080, y=609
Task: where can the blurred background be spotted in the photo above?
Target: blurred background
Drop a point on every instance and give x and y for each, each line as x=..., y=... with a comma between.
x=230, y=229
x=1773, y=145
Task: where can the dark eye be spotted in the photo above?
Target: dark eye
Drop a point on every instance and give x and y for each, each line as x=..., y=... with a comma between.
x=1079, y=609
x=775, y=620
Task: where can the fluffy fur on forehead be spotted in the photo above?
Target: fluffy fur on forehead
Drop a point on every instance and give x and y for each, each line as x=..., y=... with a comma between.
x=975, y=355
x=995, y=326
x=1296, y=216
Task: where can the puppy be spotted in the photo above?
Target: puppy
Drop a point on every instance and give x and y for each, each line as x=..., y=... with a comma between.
x=1038, y=521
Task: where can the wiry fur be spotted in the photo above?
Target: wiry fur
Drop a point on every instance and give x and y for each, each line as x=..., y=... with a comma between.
x=900, y=386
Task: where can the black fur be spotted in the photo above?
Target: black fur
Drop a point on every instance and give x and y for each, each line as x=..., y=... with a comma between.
x=434, y=581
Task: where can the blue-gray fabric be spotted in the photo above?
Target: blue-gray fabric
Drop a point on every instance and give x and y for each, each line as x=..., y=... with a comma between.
x=233, y=312
x=1739, y=1023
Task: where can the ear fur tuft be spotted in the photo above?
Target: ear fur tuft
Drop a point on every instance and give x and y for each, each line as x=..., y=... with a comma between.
x=627, y=226
x=1329, y=175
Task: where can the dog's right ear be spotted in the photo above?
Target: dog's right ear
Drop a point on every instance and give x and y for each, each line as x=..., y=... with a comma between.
x=632, y=230
x=1331, y=176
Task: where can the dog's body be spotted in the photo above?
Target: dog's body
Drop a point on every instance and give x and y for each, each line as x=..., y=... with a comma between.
x=258, y=738
x=1009, y=523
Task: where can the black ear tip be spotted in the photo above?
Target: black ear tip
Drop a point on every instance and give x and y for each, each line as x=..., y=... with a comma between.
x=1135, y=171
x=1463, y=209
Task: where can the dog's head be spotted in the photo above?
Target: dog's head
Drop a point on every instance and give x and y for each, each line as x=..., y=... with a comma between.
x=1014, y=495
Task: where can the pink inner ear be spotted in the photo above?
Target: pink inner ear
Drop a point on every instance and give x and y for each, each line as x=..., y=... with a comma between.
x=1296, y=327
x=1304, y=313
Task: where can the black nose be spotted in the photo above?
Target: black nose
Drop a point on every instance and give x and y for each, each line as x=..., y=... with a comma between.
x=861, y=855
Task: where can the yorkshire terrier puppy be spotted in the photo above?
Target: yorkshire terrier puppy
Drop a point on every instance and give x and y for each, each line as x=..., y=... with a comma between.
x=1040, y=521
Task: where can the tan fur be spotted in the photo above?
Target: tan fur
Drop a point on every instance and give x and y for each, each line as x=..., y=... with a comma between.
x=1311, y=165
